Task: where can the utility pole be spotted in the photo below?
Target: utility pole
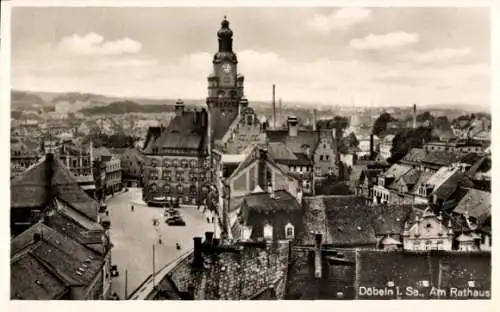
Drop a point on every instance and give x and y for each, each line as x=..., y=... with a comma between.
x=153, y=267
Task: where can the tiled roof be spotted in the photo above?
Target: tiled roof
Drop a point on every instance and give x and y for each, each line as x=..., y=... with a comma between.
x=40, y=188
x=29, y=279
x=481, y=165
x=182, y=132
x=437, y=158
x=259, y=208
x=471, y=158
x=476, y=204
x=412, y=176
x=351, y=221
x=450, y=184
x=71, y=262
x=295, y=143
x=344, y=220
x=444, y=134
x=409, y=269
x=101, y=151
x=396, y=171
x=279, y=151
x=422, y=180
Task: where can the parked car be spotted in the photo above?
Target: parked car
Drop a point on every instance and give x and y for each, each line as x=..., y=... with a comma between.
x=175, y=221
x=170, y=212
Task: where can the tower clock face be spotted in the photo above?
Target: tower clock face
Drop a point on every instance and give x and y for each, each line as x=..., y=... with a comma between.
x=227, y=68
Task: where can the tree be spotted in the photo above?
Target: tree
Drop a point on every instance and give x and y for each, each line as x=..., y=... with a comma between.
x=380, y=124
x=407, y=139
x=442, y=122
x=339, y=124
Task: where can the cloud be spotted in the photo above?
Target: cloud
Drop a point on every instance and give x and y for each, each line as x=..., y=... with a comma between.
x=338, y=20
x=95, y=44
x=439, y=55
x=390, y=40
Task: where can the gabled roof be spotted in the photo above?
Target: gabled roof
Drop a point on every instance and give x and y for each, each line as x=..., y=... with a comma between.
x=295, y=143
x=182, y=133
x=481, y=165
x=450, y=184
x=475, y=204
x=396, y=171
x=46, y=180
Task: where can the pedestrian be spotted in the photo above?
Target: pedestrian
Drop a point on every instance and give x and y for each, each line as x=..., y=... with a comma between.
x=208, y=220
x=178, y=246
x=107, y=213
x=132, y=208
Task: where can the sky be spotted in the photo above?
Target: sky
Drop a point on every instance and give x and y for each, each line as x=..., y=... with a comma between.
x=334, y=56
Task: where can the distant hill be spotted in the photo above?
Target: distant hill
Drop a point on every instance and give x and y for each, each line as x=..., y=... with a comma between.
x=21, y=100
x=126, y=107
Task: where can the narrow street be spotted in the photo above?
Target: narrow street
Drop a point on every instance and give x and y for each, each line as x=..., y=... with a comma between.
x=133, y=236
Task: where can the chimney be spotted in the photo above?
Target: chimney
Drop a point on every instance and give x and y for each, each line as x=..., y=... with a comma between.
x=261, y=168
x=372, y=147
x=196, y=118
x=414, y=116
x=91, y=152
x=274, y=106
x=270, y=190
x=209, y=238
x=49, y=174
x=314, y=120
x=37, y=237
x=179, y=107
x=317, y=256
x=203, y=117
x=292, y=126
x=280, y=112
x=197, y=262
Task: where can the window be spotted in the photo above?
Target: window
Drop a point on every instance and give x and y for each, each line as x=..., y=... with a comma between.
x=192, y=189
x=179, y=188
x=166, y=162
x=324, y=145
x=167, y=189
x=165, y=174
x=321, y=157
x=327, y=157
x=289, y=231
x=184, y=163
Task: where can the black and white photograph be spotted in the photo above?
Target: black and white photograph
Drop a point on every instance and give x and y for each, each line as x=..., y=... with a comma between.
x=250, y=153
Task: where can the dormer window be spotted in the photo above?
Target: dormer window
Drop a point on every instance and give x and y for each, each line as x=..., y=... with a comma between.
x=289, y=231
